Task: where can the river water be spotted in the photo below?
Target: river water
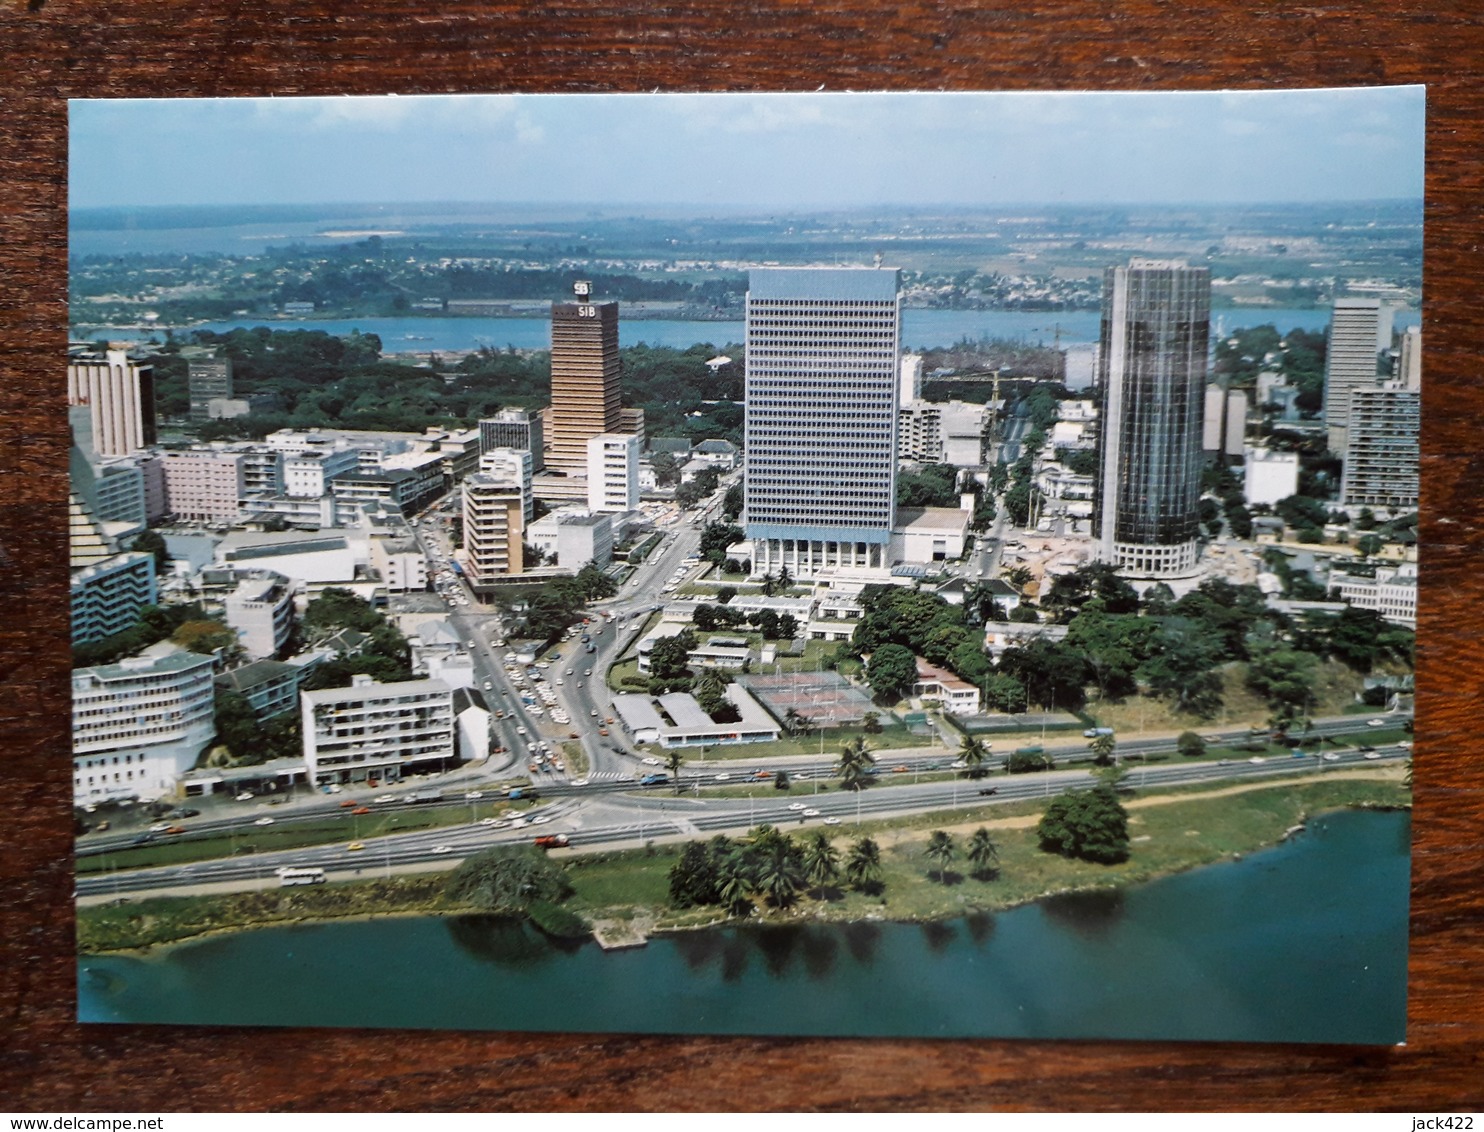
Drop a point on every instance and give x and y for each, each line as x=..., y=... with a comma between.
x=1305, y=942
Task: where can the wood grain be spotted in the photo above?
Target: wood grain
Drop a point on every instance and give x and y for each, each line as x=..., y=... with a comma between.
x=53, y=49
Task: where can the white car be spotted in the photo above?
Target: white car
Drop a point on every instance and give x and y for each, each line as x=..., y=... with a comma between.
x=247, y=795
x=1257, y=760
x=442, y=848
x=831, y=821
x=648, y=760
x=488, y=685
x=1373, y=754
x=811, y=813
x=796, y=806
x=1330, y=757
x=517, y=823
x=494, y=823
x=723, y=777
x=1375, y=723
x=1405, y=744
x=473, y=795
x=263, y=821
x=385, y=798
x=541, y=820
x=578, y=782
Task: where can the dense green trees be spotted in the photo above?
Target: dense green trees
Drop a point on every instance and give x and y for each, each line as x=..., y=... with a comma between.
x=1091, y=825
x=509, y=879
x=933, y=485
x=891, y=672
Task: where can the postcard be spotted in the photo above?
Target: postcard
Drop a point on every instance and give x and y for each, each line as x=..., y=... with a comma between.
x=822, y=564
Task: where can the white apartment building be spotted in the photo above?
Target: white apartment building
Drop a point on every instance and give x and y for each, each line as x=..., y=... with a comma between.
x=1382, y=453
x=949, y=432
x=108, y=594
x=823, y=348
x=307, y=475
x=140, y=724
x=513, y=465
x=613, y=472
x=261, y=609
x=1359, y=330
x=374, y=732
x=1391, y=591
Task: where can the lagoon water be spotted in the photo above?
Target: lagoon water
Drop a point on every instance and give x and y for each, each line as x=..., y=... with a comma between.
x=1304, y=942
x=921, y=329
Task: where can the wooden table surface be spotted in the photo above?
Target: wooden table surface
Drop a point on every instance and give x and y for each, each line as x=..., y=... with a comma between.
x=51, y=50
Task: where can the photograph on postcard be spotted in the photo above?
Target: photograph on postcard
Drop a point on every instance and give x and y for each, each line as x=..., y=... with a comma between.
x=826, y=564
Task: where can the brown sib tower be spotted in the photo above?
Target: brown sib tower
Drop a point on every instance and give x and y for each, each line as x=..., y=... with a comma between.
x=584, y=380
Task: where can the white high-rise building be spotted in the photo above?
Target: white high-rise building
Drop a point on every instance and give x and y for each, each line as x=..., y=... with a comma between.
x=120, y=396
x=1359, y=330
x=497, y=501
x=613, y=472
x=822, y=382
x=1382, y=454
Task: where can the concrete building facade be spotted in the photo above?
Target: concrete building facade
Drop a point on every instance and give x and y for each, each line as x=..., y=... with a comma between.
x=108, y=595
x=514, y=428
x=494, y=527
x=1382, y=452
x=377, y=732
x=203, y=485
x=1359, y=330
x=120, y=396
x=208, y=380
x=584, y=380
x=613, y=472
x=822, y=379
x=140, y=724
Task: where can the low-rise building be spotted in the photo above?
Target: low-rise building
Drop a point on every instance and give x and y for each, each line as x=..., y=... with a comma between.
x=956, y=695
x=930, y=534
x=140, y=724
x=1391, y=591
x=676, y=720
x=374, y=732
x=271, y=687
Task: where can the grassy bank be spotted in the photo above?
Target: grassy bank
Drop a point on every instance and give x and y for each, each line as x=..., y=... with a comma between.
x=1170, y=832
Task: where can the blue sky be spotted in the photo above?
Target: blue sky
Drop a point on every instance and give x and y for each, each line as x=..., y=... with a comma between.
x=777, y=152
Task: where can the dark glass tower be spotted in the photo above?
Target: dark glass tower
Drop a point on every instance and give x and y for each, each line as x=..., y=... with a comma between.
x=1152, y=380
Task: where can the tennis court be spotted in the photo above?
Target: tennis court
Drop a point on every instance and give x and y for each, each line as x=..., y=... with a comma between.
x=827, y=699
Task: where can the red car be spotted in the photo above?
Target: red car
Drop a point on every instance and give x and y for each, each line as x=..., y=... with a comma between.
x=347, y=804
x=361, y=810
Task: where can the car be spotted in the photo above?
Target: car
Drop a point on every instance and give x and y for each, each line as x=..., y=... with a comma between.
x=587, y=672
x=609, y=720
x=593, y=713
x=902, y=769
x=650, y=760
x=559, y=680
x=723, y=777
x=958, y=764
x=159, y=827
x=520, y=730
x=761, y=774
x=1375, y=723
x=811, y=813
x=1228, y=762
x=569, y=672
x=989, y=790
x=796, y=806
x=654, y=780
x=348, y=803
x=354, y=847
x=517, y=823
x=263, y=821
x=1330, y=756
x=578, y=782
x=473, y=795
x=831, y=821
x=1373, y=754
x=246, y=796
x=384, y=798
x=361, y=810
x=197, y=813
x=488, y=685
x=540, y=819
x=494, y=823
x=442, y=848
x=579, y=683
x=603, y=731
x=1257, y=760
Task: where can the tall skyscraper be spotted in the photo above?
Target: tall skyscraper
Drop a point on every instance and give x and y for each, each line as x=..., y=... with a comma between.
x=584, y=379
x=496, y=500
x=1152, y=382
x=821, y=422
x=120, y=396
x=613, y=472
x=1359, y=330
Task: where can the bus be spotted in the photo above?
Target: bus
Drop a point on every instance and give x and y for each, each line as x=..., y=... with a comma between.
x=289, y=877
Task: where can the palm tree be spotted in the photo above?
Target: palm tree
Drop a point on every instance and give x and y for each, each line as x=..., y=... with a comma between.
x=770, y=583
x=821, y=861
x=1102, y=747
x=940, y=849
x=735, y=893
x=871, y=723
x=982, y=852
x=674, y=760
x=785, y=579
x=855, y=761
x=780, y=872
x=974, y=754
x=863, y=866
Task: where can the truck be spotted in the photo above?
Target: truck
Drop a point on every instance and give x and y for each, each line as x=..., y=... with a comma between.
x=288, y=877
